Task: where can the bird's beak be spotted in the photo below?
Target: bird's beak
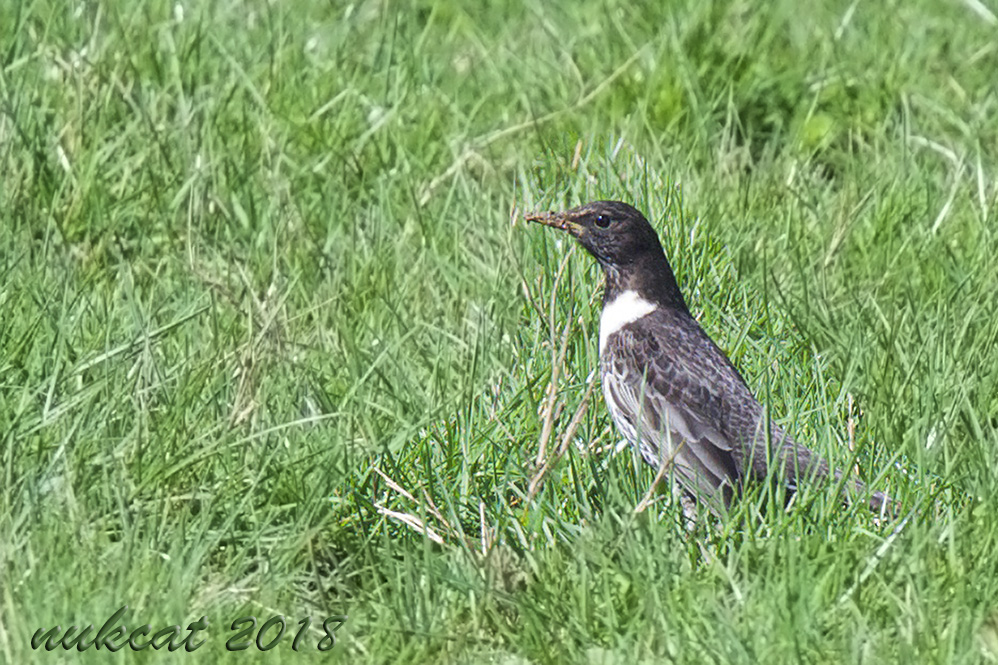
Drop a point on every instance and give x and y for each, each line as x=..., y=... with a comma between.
x=558, y=220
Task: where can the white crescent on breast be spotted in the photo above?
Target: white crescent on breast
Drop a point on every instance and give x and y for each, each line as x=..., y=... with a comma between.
x=626, y=308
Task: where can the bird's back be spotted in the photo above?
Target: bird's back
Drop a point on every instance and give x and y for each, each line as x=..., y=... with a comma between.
x=674, y=393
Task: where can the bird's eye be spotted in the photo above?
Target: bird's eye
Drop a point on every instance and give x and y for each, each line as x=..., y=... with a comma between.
x=603, y=221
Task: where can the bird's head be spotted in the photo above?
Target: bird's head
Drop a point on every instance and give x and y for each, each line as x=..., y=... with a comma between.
x=615, y=233
x=625, y=245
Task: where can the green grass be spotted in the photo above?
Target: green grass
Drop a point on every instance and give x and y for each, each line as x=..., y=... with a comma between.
x=267, y=303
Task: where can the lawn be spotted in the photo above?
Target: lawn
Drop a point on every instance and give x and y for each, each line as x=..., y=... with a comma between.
x=276, y=342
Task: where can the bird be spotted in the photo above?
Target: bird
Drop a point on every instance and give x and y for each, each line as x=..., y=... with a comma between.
x=671, y=391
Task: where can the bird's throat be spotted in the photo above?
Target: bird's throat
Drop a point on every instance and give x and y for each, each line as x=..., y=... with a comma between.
x=649, y=276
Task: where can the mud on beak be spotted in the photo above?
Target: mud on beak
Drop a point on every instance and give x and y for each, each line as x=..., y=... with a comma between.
x=557, y=220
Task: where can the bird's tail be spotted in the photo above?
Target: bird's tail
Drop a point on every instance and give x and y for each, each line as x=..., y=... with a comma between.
x=801, y=464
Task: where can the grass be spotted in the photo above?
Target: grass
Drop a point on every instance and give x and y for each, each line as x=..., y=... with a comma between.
x=274, y=339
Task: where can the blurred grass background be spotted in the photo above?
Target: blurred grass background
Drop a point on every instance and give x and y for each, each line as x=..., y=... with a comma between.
x=274, y=339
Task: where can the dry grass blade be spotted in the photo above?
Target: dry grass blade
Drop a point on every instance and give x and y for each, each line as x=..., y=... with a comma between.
x=663, y=467
x=412, y=522
x=552, y=409
x=573, y=425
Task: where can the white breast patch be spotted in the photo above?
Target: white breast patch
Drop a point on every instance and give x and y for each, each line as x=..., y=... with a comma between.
x=626, y=308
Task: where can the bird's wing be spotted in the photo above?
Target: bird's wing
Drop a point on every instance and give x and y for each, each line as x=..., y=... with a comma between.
x=697, y=378
x=677, y=398
x=706, y=404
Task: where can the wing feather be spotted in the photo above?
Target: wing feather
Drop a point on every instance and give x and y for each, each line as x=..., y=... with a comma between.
x=674, y=394
x=687, y=402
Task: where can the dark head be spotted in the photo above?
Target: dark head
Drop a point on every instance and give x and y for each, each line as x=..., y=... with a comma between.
x=624, y=243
